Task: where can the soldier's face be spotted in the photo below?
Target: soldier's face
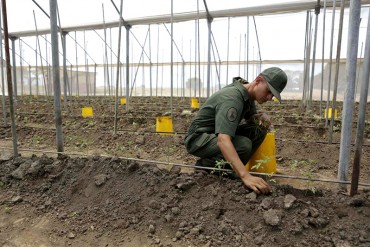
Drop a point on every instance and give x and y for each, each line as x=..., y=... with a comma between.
x=263, y=93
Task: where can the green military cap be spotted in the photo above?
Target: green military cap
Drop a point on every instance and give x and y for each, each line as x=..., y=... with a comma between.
x=276, y=80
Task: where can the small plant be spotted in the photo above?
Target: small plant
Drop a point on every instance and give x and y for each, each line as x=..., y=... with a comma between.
x=336, y=128
x=313, y=190
x=220, y=164
x=8, y=210
x=37, y=139
x=270, y=179
x=82, y=143
x=260, y=163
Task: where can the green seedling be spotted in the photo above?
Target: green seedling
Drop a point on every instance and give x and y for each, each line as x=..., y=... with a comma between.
x=82, y=143
x=220, y=164
x=313, y=190
x=8, y=210
x=260, y=163
x=270, y=179
x=37, y=139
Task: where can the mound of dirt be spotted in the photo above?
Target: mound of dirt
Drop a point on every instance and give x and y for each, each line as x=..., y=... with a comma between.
x=98, y=201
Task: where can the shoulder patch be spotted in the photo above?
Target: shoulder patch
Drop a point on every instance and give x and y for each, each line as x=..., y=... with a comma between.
x=232, y=114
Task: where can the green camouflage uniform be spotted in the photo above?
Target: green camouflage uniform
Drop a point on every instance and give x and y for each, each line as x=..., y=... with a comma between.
x=222, y=113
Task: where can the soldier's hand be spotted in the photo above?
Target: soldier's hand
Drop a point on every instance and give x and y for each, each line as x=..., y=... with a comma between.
x=257, y=184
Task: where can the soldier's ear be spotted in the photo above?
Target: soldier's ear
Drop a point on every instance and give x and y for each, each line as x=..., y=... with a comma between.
x=260, y=78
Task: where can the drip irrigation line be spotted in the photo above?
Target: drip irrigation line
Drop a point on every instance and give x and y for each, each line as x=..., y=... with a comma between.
x=156, y=162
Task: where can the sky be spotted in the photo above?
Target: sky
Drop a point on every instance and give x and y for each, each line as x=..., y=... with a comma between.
x=280, y=37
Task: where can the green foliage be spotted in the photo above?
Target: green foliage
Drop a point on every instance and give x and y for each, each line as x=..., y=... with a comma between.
x=294, y=164
x=82, y=143
x=220, y=164
x=8, y=210
x=260, y=163
x=37, y=139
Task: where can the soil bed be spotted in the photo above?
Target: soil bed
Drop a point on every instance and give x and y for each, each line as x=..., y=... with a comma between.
x=89, y=199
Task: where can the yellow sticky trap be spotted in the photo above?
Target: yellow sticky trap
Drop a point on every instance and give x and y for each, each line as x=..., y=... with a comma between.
x=194, y=103
x=264, y=159
x=163, y=125
x=123, y=101
x=275, y=99
x=87, y=112
x=329, y=113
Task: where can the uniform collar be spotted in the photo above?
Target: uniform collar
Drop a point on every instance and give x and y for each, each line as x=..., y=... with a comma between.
x=238, y=84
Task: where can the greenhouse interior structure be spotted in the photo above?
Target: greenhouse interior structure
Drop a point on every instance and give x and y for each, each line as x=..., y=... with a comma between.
x=99, y=96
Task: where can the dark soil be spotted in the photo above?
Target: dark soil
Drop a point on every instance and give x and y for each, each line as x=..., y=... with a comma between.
x=138, y=188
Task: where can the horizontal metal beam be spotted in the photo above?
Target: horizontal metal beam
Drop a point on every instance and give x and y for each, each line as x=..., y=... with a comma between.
x=281, y=8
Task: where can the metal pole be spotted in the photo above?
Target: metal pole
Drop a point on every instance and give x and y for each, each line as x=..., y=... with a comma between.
x=227, y=51
x=348, y=104
x=258, y=46
x=247, y=49
x=306, y=58
x=13, y=39
x=322, y=59
x=127, y=66
x=118, y=63
x=77, y=83
x=111, y=59
x=64, y=67
x=317, y=12
x=150, y=63
x=209, y=24
x=190, y=71
x=21, y=65
x=106, y=52
x=36, y=73
x=9, y=78
x=30, y=79
x=94, y=80
x=86, y=69
x=195, y=58
x=156, y=76
x=2, y=75
x=171, y=99
x=198, y=50
x=339, y=45
x=361, y=113
x=56, y=74
x=358, y=70
x=38, y=44
x=330, y=64
x=245, y=56
x=71, y=79
x=240, y=54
